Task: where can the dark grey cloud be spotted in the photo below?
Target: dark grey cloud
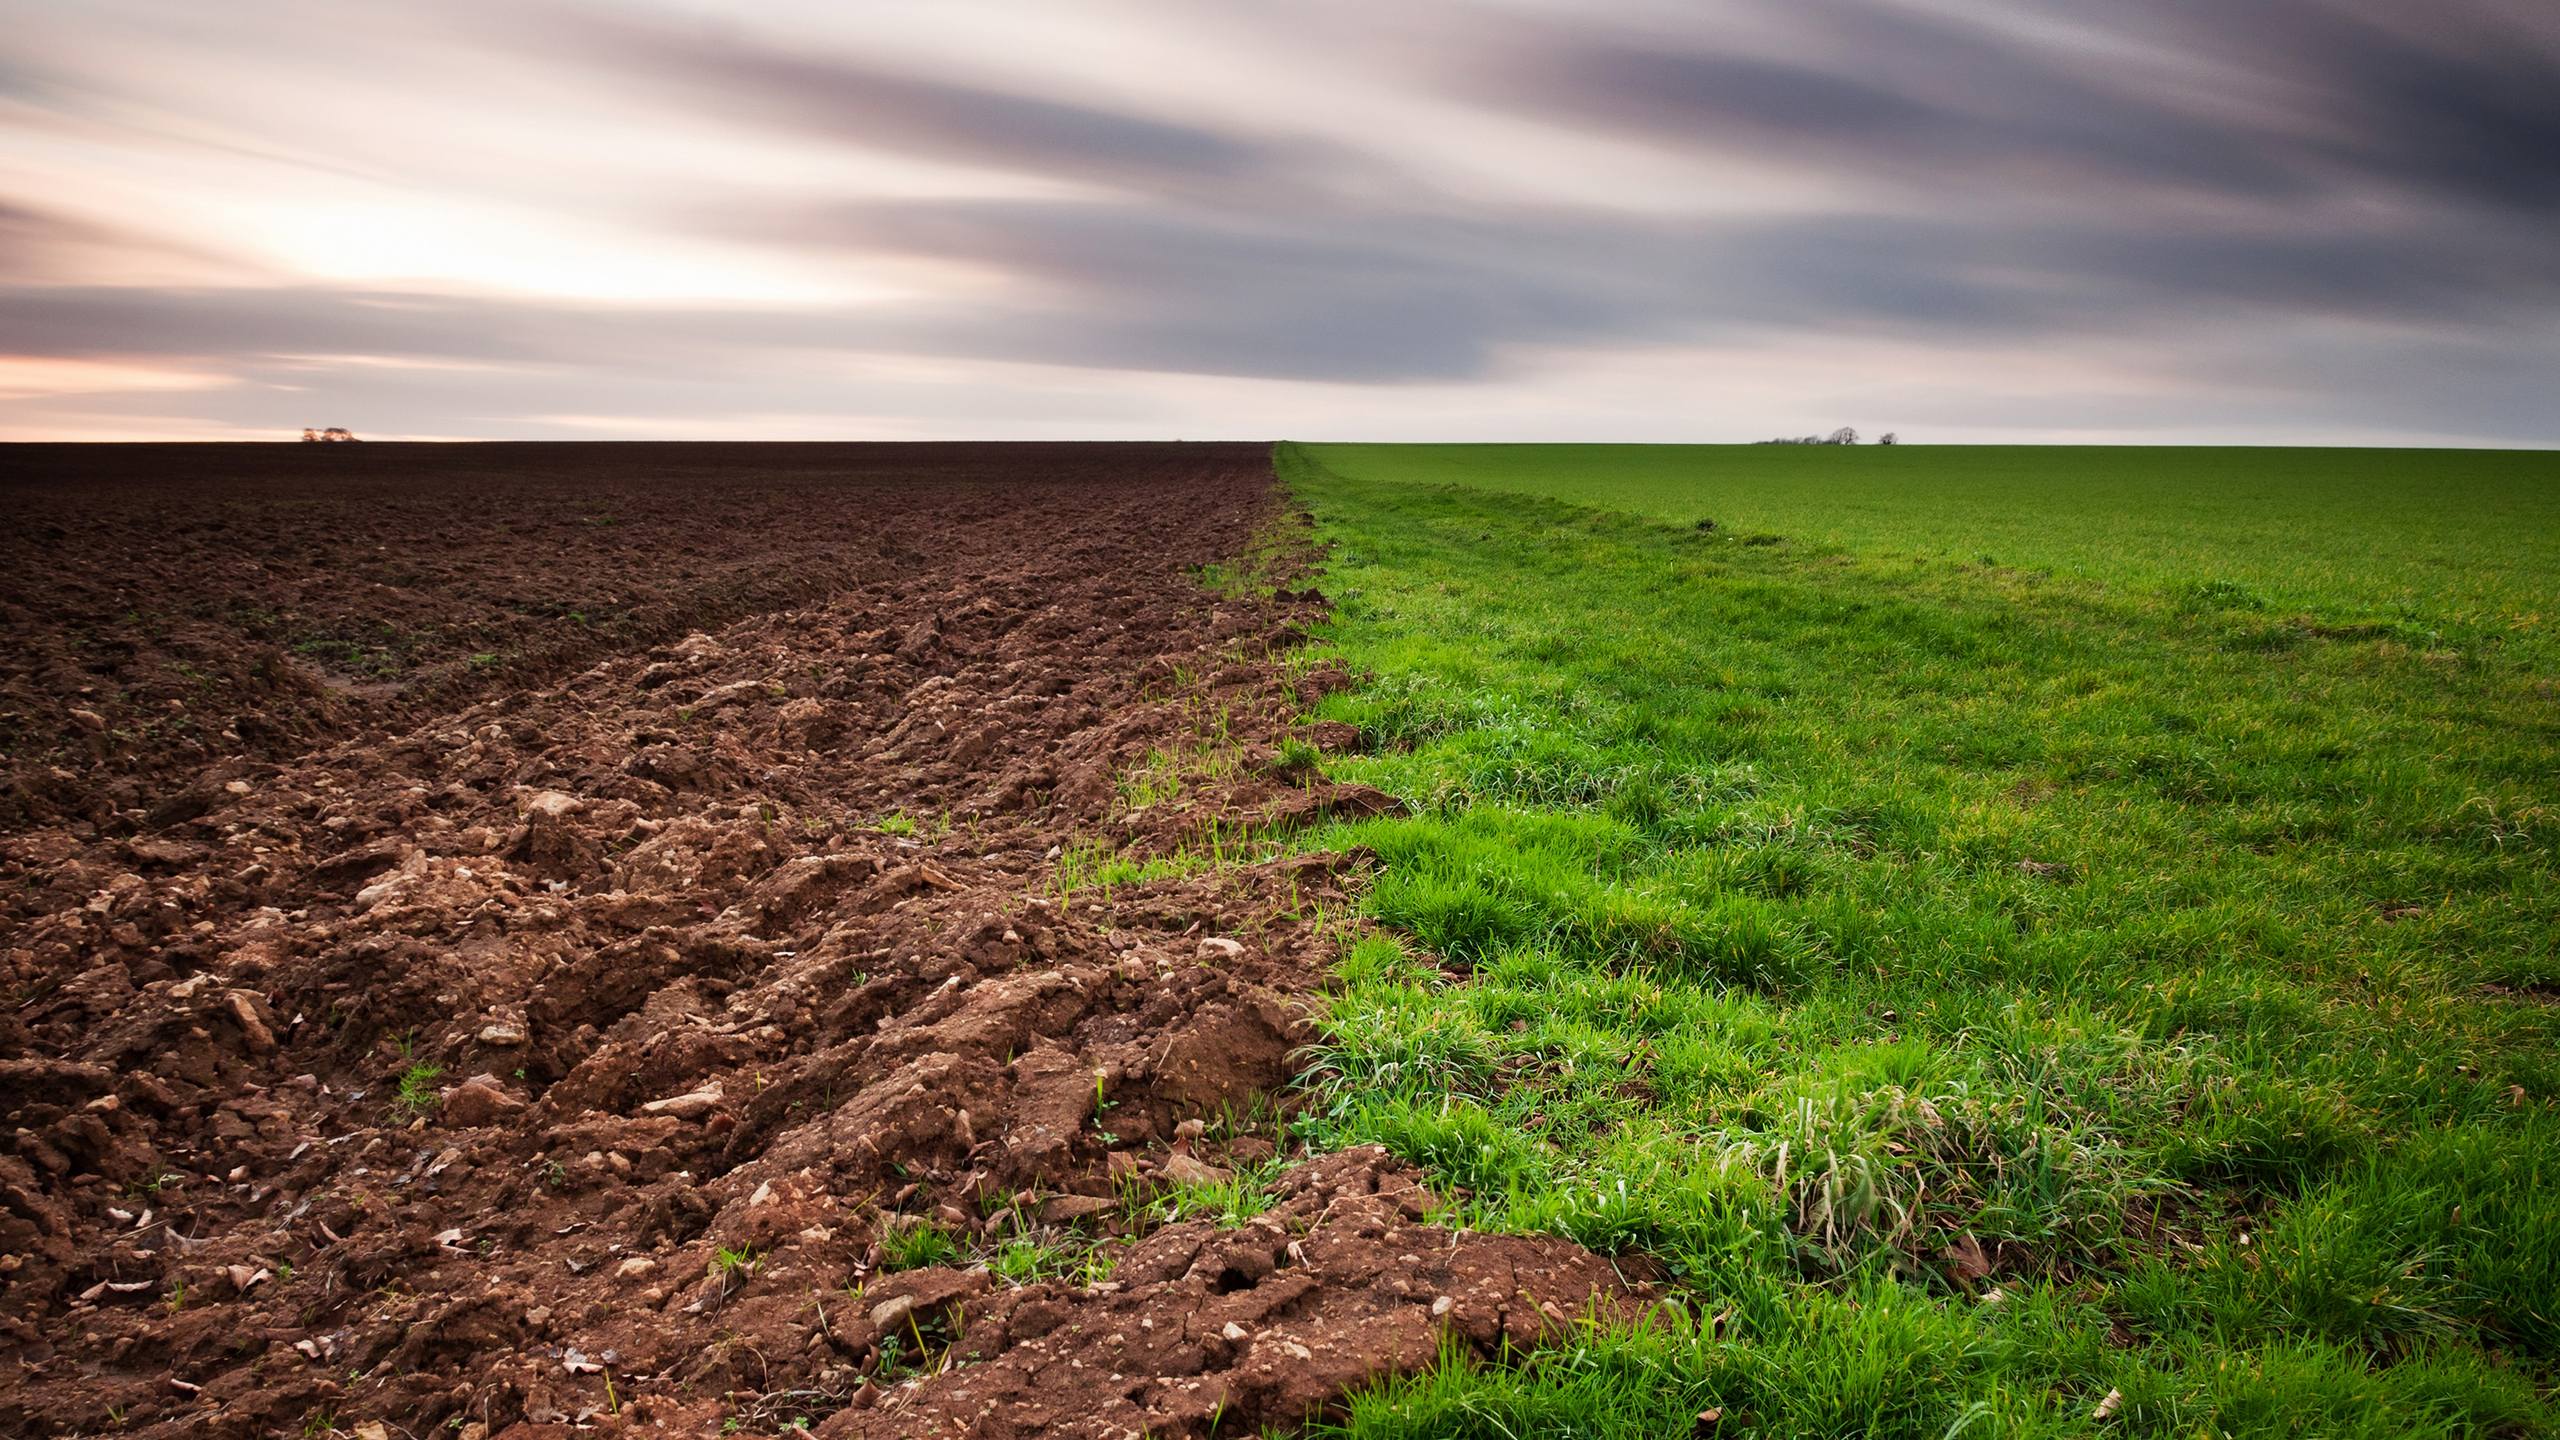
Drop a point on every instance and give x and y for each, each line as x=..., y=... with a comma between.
x=2277, y=100
x=719, y=70
x=1372, y=294
x=1922, y=103
x=2003, y=176
x=1439, y=293
x=2451, y=99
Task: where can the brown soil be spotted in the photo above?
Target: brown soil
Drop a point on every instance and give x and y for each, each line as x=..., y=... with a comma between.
x=168, y=605
x=709, y=1044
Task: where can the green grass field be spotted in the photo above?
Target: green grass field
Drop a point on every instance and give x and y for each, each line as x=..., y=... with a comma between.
x=2461, y=541
x=2125, y=966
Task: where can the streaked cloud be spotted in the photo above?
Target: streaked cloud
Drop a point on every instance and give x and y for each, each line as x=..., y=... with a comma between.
x=1962, y=219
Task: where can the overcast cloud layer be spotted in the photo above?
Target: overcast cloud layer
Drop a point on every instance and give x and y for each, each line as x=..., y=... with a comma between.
x=2180, y=220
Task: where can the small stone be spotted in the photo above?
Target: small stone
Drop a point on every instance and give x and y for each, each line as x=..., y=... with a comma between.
x=480, y=1100
x=635, y=1267
x=1442, y=1305
x=887, y=1314
x=505, y=1032
x=148, y=850
x=89, y=720
x=1233, y=1331
x=1186, y=1169
x=1219, y=947
x=551, y=804
x=692, y=1105
x=1065, y=1209
x=244, y=1009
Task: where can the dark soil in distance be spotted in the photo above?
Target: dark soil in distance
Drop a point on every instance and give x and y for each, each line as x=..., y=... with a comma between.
x=167, y=605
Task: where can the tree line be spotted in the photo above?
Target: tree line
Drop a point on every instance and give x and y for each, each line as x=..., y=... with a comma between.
x=1845, y=435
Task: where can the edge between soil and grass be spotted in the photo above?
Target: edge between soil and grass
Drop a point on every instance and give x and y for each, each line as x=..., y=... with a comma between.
x=1938, y=1124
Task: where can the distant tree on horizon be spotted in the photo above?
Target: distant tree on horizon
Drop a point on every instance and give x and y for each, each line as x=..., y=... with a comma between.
x=1845, y=435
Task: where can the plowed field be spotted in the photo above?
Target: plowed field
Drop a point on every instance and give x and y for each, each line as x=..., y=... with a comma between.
x=510, y=938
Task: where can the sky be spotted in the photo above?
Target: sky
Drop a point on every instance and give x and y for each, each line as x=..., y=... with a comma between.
x=2151, y=221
